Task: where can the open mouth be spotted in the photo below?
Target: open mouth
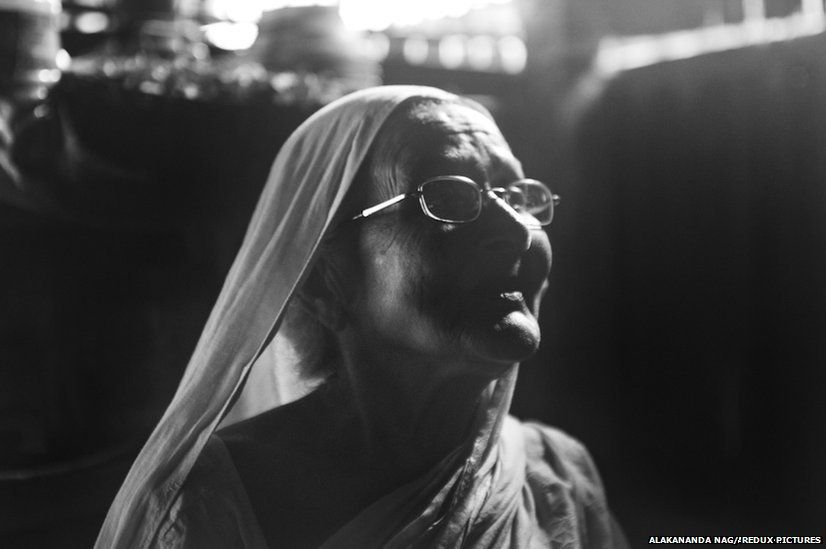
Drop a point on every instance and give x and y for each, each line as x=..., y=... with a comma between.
x=510, y=288
x=502, y=295
x=514, y=295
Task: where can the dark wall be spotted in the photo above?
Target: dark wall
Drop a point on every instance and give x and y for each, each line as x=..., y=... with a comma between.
x=104, y=291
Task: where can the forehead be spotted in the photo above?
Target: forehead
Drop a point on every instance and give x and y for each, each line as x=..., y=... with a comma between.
x=456, y=139
x=453, y=118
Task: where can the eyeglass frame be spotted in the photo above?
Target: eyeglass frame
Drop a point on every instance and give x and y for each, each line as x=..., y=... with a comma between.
x=484, y=191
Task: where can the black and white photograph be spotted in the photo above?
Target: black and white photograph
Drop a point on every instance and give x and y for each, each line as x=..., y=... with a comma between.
x=354, y=274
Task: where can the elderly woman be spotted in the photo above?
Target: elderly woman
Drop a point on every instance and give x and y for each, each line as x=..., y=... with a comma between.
x=397, y=255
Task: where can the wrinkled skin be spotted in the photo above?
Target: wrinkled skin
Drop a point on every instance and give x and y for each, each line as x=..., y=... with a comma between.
x=422, y=316
x=466, y=293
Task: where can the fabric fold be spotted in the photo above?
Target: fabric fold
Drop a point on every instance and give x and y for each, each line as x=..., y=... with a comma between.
x=308, y=181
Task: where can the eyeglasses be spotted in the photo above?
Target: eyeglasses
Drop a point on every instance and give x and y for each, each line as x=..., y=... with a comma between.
x=459, y=199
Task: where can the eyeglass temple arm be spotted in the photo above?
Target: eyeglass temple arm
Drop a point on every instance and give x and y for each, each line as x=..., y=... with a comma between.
x=386, y=204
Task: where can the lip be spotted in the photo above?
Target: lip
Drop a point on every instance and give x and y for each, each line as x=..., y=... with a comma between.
x=514, y=296
x=501, y=295
x=495, y=305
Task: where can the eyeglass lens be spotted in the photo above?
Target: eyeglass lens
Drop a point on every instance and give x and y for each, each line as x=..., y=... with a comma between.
x=456, y=200
x=532, y=198
x=452, y=200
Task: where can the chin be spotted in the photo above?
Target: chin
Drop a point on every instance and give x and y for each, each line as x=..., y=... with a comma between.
x=513, y=338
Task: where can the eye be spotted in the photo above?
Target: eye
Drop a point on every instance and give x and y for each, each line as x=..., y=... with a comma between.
x=451, y=199
x=515, y=196
x=532, y=198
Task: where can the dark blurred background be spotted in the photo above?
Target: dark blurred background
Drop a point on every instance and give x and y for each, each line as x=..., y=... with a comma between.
x=684, y=334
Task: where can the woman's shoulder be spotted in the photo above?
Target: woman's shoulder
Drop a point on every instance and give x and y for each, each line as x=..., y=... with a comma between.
x=551, y=453
x=553, y=445
x=557, y=462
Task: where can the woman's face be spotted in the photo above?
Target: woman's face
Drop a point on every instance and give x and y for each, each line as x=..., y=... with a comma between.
x=459, y=293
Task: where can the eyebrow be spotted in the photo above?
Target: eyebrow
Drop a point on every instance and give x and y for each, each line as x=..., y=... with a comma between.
x=481, y=171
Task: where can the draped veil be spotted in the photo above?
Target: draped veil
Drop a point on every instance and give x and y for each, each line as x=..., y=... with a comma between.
x=308, y=182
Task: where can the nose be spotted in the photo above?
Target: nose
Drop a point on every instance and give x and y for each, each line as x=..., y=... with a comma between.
x=504, y=230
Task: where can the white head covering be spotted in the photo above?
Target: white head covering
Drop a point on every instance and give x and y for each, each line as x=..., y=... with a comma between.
x=307, y=183
x=507, y=485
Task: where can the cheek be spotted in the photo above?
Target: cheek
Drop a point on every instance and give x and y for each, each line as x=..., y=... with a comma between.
x=432, y=275
x=417, y=303
x=395, y=286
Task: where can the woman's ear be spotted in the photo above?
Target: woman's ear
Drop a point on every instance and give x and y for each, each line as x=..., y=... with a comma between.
x=322, y=295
